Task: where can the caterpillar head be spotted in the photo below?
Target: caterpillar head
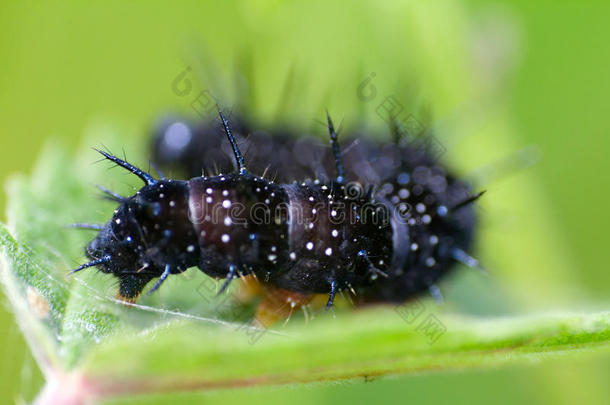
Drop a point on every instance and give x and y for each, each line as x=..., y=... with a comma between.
x=146, y=234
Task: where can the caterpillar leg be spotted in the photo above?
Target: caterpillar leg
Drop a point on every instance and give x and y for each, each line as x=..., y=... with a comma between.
x=163, y=277
x=278, y=304
x=130, y=288
x=250, y=289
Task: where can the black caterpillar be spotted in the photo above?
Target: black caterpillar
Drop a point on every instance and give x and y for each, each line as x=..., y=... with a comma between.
x=385, y=240
x=406, y=168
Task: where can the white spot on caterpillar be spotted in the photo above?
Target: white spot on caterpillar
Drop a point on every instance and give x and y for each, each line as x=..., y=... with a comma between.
x=226, y=204
x=225, y=238
x=403, y=178
x=387, y=188
x=309, y=245
x=328, y=251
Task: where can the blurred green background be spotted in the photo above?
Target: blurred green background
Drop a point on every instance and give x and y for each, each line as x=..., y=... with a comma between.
x=498, y=75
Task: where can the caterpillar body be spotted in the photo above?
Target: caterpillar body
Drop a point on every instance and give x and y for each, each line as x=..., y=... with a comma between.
x=385, y=240
x=441, y=221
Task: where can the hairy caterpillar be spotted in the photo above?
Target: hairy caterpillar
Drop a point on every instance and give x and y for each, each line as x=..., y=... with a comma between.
x=405, y=172
x=384, y=241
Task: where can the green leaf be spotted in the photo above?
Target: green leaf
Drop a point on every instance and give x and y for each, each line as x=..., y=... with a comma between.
x=185, y=338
